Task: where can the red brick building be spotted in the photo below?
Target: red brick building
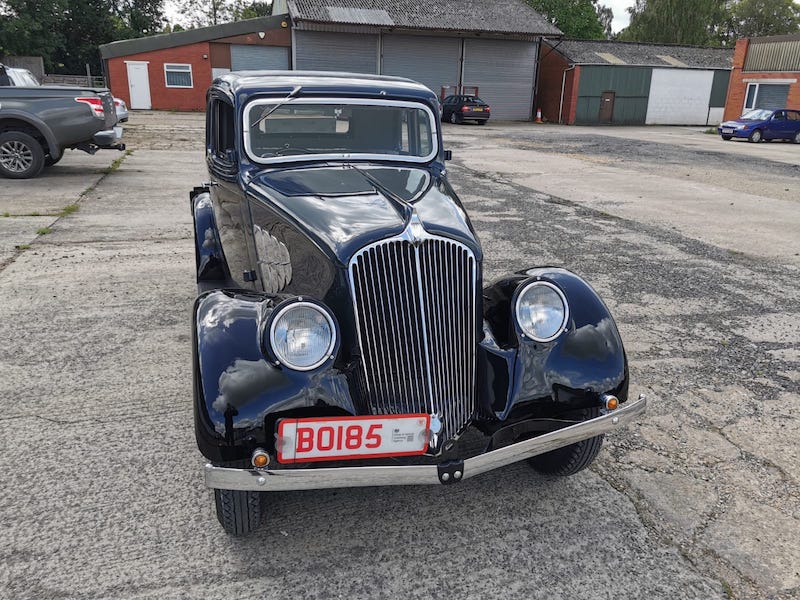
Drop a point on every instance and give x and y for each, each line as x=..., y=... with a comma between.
x=766, y=74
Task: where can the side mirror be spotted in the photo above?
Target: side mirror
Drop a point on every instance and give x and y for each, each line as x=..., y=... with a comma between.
x=448, y=155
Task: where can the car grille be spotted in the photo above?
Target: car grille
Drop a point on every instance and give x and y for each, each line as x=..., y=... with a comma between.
x=415, y=308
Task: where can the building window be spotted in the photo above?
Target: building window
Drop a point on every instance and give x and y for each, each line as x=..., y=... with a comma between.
x=178, y=76
x=766, y=95
x=750, y=100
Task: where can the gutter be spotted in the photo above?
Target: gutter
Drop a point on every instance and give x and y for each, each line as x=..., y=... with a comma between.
x=563, y=85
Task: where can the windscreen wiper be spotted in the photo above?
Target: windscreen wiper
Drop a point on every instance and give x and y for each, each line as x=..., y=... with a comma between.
x=293, y=94
x=380, y=187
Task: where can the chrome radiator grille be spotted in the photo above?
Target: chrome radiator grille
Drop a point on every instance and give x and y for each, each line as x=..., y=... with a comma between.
x=415, y=309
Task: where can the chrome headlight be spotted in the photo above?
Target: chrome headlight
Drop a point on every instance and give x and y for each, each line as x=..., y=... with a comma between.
x=542, y=311
x=302, y=335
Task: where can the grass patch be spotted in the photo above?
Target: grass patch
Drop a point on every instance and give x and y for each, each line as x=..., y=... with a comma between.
x=22, y=246
x=116, y=164
x=43, y=231
x=6, y=214
x=711, y=131
x=69, y=209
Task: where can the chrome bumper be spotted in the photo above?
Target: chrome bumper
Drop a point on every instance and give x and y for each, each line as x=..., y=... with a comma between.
x=313, y=479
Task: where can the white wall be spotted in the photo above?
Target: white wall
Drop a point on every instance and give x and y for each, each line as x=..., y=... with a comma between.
x=679, y=97
x=715, y=116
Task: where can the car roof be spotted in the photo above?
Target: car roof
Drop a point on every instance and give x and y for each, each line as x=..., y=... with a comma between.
x=322, y=82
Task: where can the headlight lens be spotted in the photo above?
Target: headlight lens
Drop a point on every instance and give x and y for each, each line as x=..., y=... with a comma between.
x=302, y=335
x=542, y=311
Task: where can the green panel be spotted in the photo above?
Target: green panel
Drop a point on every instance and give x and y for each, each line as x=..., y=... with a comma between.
x=719, y=89
x=631, y=86
x=625, y=81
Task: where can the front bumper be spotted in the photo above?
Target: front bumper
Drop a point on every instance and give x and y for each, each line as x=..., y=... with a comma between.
x=264, y=480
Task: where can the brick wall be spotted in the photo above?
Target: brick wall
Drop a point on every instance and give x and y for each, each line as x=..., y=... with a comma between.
x=551, y=73
x=162, y=97
x=737, y=90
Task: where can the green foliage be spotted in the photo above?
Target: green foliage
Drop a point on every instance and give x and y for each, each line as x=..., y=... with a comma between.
x=583, y=19
x=691, y=22
x=201, y=13
x=756, y=18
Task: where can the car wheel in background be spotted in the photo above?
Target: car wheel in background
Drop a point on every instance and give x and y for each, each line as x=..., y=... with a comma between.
x=453, y=118
x=756, y=136
x=573, y=458
x=239, y=512
x=21, y=155
x=727, y=138
x=796, y=138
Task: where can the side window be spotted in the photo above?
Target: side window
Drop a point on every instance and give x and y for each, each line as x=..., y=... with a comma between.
x=779, y=116
x=223, y=133
x=793, y=115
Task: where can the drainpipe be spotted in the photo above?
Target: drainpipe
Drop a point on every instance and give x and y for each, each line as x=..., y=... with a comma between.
x=563, y=85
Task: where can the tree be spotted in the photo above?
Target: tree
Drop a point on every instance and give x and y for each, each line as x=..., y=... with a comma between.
x=32, y=28
x=690, y=22
x=755, y=18
x=138, y=18
x=606, y=17
x=581, y=19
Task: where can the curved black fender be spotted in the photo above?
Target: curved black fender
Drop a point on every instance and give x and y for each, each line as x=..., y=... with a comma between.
x=239, y=389
x=573, y=371
x=212, y=268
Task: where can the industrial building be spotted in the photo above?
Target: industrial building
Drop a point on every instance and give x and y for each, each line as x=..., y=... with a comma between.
x=487, y=47
x=766, y=74
x=623, y=83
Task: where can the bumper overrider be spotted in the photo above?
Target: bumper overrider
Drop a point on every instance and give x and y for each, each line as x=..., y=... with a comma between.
x=265, y=480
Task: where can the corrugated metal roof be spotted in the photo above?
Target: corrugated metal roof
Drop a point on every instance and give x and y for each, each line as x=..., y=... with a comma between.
x=591, y=52
x=474, y=16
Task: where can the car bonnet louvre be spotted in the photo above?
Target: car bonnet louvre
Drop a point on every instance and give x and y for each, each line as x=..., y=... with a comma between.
x=414, y=298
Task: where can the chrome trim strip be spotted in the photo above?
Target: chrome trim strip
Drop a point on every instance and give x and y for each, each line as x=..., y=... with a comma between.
x=265, y=480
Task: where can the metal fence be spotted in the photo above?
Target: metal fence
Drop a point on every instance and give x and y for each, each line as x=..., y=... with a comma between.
x=79, y=80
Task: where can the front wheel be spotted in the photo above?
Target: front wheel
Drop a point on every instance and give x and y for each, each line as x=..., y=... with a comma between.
x=727, y=138
x=573, y=458
x=21, y=155
x=239, y=513
x=756, y=136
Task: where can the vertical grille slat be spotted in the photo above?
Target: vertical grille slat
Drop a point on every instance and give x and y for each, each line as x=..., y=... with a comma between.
x=415, y=309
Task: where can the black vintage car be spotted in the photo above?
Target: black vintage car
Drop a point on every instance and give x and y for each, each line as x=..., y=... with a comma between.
x=343, y=335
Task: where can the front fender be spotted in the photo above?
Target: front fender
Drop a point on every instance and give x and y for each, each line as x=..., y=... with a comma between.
x=570, y=372
x=238, y=390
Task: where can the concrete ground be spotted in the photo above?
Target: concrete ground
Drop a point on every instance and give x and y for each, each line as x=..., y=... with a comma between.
x=102, y=482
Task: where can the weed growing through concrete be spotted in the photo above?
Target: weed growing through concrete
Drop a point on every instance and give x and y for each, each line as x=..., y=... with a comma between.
x=43, y=231
x=68, y=209
x=116, y=164
x=22, y=246
x=6, y=214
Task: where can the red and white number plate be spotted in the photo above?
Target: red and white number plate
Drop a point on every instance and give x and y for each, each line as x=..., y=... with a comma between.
x=338, y=438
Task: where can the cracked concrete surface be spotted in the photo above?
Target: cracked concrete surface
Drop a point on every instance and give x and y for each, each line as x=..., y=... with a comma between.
x=103, y=493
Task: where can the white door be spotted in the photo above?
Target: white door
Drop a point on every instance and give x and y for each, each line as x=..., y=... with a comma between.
x=139, y=85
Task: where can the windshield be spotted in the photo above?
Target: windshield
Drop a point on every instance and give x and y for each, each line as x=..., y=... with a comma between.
x=22, y=77
x=758, y=114
x=303, y=128
x=473, y=99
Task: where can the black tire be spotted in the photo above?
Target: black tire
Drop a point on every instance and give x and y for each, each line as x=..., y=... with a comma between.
x=573, y=458
x=239, y=513
x=454, y=118
x=756, y=136
x=727, y=138
x=796, y=138
x=49, y=160
x=21, y=155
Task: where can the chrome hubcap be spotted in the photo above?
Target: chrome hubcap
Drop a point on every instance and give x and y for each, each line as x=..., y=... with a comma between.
x=16, y=156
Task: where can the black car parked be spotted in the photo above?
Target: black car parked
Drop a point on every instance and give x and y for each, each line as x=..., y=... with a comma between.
x=343, y=335
x=458, y=109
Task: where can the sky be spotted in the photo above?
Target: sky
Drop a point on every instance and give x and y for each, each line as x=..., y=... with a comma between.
x=621, y=16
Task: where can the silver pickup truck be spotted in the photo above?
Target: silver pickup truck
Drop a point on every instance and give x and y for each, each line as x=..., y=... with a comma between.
x=38, y=123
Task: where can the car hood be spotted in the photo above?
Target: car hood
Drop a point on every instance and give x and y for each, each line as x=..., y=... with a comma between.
x=341, y=211
x=738, y=122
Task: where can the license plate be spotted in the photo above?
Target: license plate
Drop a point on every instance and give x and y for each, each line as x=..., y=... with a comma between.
x=727, y=130
x=478, y=109
x=343, y=438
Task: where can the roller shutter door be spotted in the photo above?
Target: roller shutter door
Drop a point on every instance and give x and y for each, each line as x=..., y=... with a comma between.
x=434, y=62
x=504, y=73
x=771, y=96
x=323, y=51
x=679, y=97
x=259, y=58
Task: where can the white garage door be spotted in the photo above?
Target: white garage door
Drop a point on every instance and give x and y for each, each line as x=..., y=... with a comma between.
x=503, y=71
x=679, y=97
x=434, y=62
x=259, y=58
x=322, y=51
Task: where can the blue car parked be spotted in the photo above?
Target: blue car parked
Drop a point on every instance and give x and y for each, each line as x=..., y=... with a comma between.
x=763, y=124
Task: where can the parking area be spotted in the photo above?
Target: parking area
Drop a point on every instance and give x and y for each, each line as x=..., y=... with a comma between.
x=693, y=242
